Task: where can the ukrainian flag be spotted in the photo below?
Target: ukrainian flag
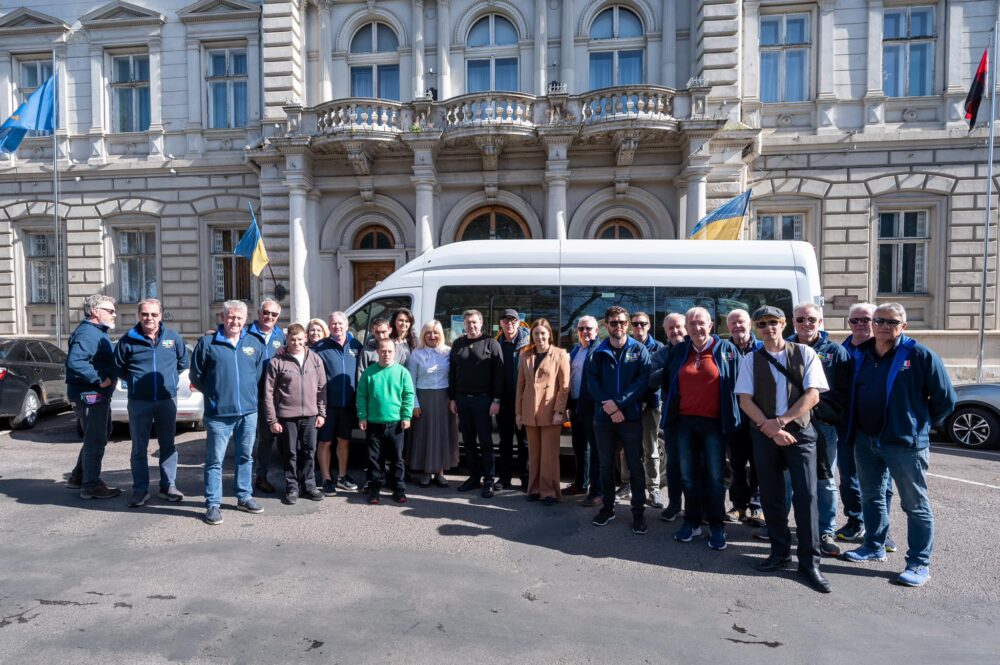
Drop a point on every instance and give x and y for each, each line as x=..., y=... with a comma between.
x=251, y=246
x=725, y=222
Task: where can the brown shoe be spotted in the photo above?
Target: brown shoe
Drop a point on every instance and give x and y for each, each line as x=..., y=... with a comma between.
x=101, y=491
x=264, y=486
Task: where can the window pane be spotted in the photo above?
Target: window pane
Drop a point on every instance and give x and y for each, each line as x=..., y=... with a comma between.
x=770, y=31
x=796, y=68
x=29, y=75
x=629, y=24
x=123, y=110
x=46, y=67
x=887, y=225
x=387, y=41
x=479, y=35
x=239, y=103
x=121, y=69
x=507, y=228
x=603, y=26
x=719, y=301
x=580, y=301
x=885, y=268
x=506, y=74
x=218, y=111
x=504, y=32
x=788, y=227
x=629, y=67
x=362, y=42
x=142, y=109
x=796, y=30
x=765, y=228
x=238, y=62
x=478, y=229
x=908, y=273
x=388, y=82
x=921, y=69
x=361, y=82
x=892, y=70
x=893, y=24
x=922, y=22
x=217, y=63
x=600, y=70
x=770, y=66
x=141, y=70
x=478, y=75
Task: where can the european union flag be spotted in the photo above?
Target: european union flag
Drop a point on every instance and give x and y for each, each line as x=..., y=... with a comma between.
x=725, y=222
x=251, y=246
x=38, y=113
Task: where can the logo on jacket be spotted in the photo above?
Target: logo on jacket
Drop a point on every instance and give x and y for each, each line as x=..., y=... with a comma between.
x=352, y=352
x=275, y=343
x=249, y=351
x=168, y=343
x=631, y=356
x=906, y=365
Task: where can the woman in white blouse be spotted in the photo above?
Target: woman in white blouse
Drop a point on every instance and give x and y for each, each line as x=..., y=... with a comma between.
x=434, y=446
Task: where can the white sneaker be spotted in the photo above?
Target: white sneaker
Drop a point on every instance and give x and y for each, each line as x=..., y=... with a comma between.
x=655, y=499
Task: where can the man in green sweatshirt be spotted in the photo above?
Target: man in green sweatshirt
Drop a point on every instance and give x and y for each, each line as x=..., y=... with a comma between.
x=385, y=405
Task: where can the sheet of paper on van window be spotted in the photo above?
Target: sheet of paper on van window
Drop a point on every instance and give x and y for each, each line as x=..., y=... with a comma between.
x=457, y=326
x=607, y=295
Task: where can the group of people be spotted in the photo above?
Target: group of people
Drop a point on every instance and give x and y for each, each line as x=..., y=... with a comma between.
x=769, y=418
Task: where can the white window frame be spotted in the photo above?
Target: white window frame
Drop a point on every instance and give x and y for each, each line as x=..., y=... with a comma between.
x=120, y=260
x=134, y=84
x=374, y=60
x=906, y=41
x=783, y=48
x=493, y=53
x=778, y=216
x=616, y=45
x=47, y=260
x=229, y=79
x=237, y=231
x=22, y=91
x=921, y=269
x=39, y=318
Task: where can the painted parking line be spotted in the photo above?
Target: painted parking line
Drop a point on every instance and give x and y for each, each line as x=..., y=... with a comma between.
x=962, y=480
x=963, y=452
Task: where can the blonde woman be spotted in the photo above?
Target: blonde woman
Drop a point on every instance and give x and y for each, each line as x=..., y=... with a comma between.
x=316, y=331
x=540, y=406
x=434, y=443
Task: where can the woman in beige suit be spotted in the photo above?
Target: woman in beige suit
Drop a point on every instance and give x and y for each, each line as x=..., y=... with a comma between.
x=542, y=391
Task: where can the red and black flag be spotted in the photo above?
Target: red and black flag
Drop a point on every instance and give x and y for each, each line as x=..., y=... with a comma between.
x=975, y=96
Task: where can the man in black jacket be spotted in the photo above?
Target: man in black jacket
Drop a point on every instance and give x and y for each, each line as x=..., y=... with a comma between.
x=512, y=338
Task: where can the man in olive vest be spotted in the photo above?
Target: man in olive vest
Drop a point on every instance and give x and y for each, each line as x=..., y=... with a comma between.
x=778, y=386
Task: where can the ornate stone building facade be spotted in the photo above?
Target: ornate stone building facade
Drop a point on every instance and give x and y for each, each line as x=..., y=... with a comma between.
x=368, y=132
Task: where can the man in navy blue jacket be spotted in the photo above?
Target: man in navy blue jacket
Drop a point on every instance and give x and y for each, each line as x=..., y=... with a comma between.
x=150, y=357
x=226, y=367
x=90, y=381
x=265, y=329
x=617, y=379
x=901, y=389
x=587, y=479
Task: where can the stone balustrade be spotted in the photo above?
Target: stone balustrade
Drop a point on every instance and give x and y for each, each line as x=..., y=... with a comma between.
x=367, y=115
x=627, y=103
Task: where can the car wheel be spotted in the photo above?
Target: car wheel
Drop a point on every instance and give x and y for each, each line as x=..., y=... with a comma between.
x=28, y=416
x=974, y=427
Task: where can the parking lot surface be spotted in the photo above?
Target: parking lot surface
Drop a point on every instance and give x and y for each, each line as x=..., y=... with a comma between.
x=453, y=578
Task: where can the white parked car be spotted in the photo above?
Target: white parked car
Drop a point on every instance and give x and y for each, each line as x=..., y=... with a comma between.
x=190, y=402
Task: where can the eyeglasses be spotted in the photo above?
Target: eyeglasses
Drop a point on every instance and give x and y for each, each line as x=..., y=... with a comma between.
x=109, y=311
x=892, y=323
x=860, y=320
x=803, y=319
x=617, y=323
x=640, y=324
x=273, y=315
x=584, y=328
x=768, y=324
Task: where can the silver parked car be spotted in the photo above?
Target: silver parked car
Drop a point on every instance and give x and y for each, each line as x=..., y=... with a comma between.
x=190, y=402
x=975, y=422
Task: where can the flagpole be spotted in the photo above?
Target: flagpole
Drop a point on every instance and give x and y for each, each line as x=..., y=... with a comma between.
x=55, y=199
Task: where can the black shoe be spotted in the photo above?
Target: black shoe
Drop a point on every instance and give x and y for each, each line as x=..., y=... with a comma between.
x=815, y=579
x=550, y=501
x=604, y=516
x=639, y=524
x=315, y=494
x=534, y=497
x=503, y=484
x=292, y=497
x=773, y=562
x=329, y=488
x=488, y=489
x=524, y=482
x=469, y=485
x=399, y=496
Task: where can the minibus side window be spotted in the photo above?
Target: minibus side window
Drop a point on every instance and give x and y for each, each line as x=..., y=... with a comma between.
x=579, y=301
x=719, y=301
x=531, y=303
x=359, y=322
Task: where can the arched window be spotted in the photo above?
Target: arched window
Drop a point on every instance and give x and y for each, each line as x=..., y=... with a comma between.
x=373, y=237
x=493, y=223
x=617, y=46
x=618, y=229
x=491, y=59
x=374, y=62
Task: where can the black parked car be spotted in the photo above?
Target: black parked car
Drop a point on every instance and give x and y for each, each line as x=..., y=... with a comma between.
x=32, y=378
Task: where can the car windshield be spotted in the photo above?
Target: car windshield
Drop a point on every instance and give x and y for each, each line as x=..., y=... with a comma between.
x=6, y=348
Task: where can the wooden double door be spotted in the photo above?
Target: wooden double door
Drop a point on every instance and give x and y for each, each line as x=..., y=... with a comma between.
x=369, y=273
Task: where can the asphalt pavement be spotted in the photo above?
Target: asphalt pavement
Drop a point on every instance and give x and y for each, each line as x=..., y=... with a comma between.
x=453, y=578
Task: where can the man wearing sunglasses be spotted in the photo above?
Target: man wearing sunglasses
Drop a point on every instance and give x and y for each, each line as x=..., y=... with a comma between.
x=778, y=386
x=652, y=459
x=901, y=389
x=587, y=479
x=270, y=335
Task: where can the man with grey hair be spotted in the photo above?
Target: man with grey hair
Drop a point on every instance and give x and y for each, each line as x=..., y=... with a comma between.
x=270, y=335
x=901, y=389
x=670, y=464
x=226, y=367
x=150, y=357
x=744, y=490
x=90, y=381
x=587, y=479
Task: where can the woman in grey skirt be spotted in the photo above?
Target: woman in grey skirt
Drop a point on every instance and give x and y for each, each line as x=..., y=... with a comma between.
x=434, y=446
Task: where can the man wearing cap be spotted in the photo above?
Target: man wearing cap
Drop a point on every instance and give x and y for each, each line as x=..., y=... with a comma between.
x=778, y=386
x=512, y=338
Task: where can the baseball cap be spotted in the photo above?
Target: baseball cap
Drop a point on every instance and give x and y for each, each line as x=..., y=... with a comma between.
x=510, y=314
x=767, y=311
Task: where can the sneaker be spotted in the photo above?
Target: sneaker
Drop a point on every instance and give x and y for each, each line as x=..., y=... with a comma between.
x=736, y=515
x=139, y=499
x=291, y=497
x=853, y=530
x=828, y=545
x=171, y=494
x=686, y=533
x=263, y=485
x=890, y=544
x=101, y=491
x=756, y=518
x=864, y=554
x=329, y=488
x=469, y=485
x=488, y=489
x=345, y=482
x=639, y=524
x=574, y=490
x=591, y=500
x=624, y=492
x=373, y=495
x=604, y=516
x=315, y=494
x=399, y=496
x=440, y=481
x=213, y=515
x=655, y=499
x=914, y=576
x=670, y=513
x=73, y=483
x=717, y=538
x=249, y=506
x=761, y=533
x=425, y=481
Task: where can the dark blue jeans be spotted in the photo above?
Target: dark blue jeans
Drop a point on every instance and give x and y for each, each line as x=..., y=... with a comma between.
x=628, y=436
x=702, y=449
x=588, y=470
x=850, y=488
x=675, y=488
x=96, y=422
x=477, y=434
x=141, y=416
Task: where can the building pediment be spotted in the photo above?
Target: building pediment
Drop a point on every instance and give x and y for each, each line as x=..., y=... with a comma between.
x=218, y=10
x=26, y=21
x=120, y=14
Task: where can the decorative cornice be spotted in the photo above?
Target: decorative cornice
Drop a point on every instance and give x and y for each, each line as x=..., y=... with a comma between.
x=205, y=11
x=121, y=14
x=26, y=21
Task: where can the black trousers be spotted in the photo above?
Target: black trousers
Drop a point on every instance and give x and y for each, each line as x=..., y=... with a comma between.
x=477, y=434
x=744, y=489
x=297, y=443
x=265, y=442
x=511, y=466
x=800, y=460
x=385, y=440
